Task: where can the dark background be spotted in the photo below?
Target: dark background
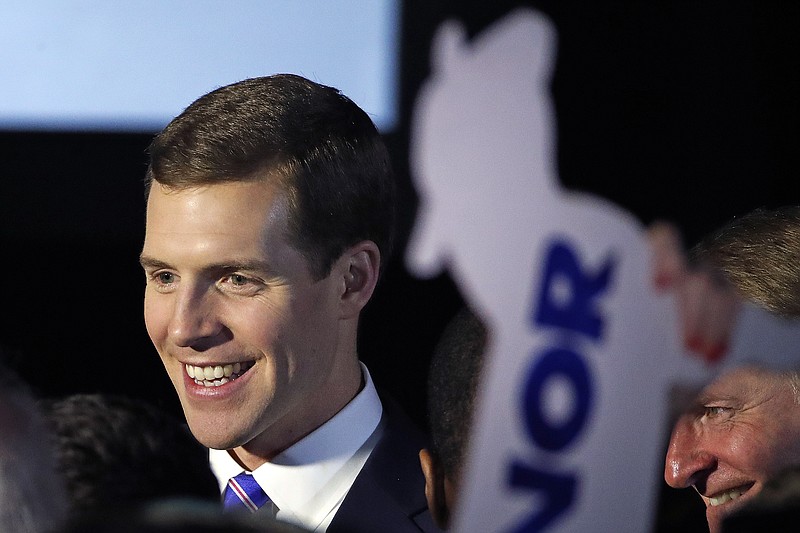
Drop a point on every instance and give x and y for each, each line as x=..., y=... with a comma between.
x=686, y=111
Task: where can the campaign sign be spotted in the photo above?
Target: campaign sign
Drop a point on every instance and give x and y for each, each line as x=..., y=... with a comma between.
x=573, y=406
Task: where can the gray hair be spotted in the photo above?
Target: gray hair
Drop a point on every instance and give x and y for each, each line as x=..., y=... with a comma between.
x=794, y=382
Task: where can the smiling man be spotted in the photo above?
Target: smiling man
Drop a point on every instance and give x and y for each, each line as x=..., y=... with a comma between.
x=744, y=427
x=270, y=208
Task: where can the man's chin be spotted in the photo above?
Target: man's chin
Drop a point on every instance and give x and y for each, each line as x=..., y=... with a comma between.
x=714, y=523
x=211, y=436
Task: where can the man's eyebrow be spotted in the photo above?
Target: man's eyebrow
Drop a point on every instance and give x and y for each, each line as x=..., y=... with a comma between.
x=151, y=262
x=714, y=396
x=247, y=264
x=223, y=266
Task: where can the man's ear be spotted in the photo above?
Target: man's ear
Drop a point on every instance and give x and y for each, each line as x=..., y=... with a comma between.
x=360, y=269
x=434, y=488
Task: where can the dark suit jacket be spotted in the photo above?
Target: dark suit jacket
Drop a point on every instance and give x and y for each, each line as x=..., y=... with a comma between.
x=388, y=496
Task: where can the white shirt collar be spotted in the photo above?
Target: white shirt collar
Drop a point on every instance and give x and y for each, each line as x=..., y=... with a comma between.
x=309, y=480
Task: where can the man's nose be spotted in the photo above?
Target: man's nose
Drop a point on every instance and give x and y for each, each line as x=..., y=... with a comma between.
x=193, y=319
x=688, y=461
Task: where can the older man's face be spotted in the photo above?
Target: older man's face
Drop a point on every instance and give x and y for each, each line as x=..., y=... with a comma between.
x=742, y=429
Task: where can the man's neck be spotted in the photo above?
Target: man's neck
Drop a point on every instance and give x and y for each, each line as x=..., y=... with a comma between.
x=299, y=424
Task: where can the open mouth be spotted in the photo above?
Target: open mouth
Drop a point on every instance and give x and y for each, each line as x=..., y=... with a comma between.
x=217, y=375
x=728, y=495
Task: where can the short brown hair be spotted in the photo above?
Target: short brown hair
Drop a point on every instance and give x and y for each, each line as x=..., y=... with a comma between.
x=319, y=146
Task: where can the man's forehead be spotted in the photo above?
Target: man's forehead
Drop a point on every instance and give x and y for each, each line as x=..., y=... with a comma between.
x=228, y=220
x=744, y=382
x=243, y=201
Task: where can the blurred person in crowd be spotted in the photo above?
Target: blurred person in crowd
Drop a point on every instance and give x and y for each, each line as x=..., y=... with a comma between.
x=176, y=516
x=452, y=391
x=115, y=451
x=32, y=494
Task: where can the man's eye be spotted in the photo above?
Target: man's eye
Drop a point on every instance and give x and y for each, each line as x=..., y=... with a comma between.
x=238, y=279
x=165, y=278
x=713, y=411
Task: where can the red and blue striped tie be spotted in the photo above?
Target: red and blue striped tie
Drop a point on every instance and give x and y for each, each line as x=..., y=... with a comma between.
x=243, y=492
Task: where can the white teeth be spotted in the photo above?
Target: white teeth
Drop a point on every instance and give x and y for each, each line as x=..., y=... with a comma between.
x=215, y=376
x=725, y=497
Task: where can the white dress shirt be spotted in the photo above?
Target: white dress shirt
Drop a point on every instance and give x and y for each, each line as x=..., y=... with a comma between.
x=309, y=480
